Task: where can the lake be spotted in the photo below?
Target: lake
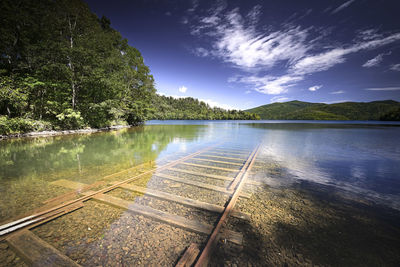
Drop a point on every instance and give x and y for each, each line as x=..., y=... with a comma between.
x=328, y=192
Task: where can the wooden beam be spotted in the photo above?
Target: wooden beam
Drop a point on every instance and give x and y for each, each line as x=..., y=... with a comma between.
x=222, y=157
x=227, y=153
x=37, y=252
x=174, y=220
x=209, y=167
x=189, y=256
x=213, y=176
x=231, y=150
x=218, y=161
x=200, y=184
x=183, y=200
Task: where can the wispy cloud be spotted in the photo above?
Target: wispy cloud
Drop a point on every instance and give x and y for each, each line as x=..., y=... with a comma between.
x=247, y=92
x=279, y=99
x=235, y=40
x=383, y=89
x=314, y=88
x=336, y=101
x=376, y=61
x=326, y=60
x=182, y=89
x=373, y=61
x=342, y=6
x=395, y=67
x=269, y=84
x=337, y=92
x=294, y=50
x=201, y=52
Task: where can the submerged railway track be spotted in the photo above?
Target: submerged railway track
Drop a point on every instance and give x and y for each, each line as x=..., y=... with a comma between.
x=33, y=250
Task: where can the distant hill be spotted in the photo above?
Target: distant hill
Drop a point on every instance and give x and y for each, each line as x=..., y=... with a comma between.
x=298, y=110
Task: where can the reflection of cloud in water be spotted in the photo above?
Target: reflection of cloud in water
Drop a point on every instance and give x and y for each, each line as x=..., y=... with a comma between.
x=300, y=159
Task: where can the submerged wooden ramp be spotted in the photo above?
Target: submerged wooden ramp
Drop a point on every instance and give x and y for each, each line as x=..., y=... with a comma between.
x=237, y=164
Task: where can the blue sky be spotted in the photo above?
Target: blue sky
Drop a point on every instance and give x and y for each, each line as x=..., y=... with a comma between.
x=242, y=54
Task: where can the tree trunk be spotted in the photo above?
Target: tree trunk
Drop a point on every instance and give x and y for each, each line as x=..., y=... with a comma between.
x=70, y=63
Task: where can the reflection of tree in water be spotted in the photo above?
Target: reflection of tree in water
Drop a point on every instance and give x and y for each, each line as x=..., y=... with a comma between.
x=28, y=165
x=129, y=147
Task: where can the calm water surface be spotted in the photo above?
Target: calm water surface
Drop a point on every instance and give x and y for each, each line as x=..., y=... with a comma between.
x=361, y=158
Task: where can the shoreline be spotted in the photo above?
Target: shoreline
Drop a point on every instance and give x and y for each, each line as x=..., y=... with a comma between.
x=63, y=132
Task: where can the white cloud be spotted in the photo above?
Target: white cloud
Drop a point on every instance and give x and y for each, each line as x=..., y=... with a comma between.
x=213, y=104
x=247, y=92
x=373, y=61
x=337, y=101
x=395, y=67
x=326, y=60
x=342, y=6
x=279, y=99
x=337, y=92
x=270, y=85
x=235, y=40
x=182, y=89
x=314, y=88
x=369, y=34
x=201, y=52
x=383, y=89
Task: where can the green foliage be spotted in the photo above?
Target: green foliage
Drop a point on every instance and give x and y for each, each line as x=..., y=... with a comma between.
x=169, y=108
x=297, y=110
x=21, y=125
x=12, y=97
x=70, y=119
x=61, y=63
x=392, y=115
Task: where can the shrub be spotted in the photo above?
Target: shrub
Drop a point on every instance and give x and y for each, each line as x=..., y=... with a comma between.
x=70, y=119
x=21, y=125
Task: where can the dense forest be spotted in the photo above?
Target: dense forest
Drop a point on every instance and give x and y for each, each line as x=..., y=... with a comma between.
x=298, y=110
x=169, y=108
x=62, y=67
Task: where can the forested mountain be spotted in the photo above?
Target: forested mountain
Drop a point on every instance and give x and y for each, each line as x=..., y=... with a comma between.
x=62, y=67
x=169, y=108
x=297, y=110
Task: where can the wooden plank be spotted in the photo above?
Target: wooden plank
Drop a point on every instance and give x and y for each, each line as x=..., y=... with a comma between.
x=174, y=220
x=200, y=184
x=243, y=151
x=213, y=176
x=183, y=200
x=218, y=161
x=189, y=256
x=210, y=167
x=222, y=157
x=227, y=153
x=36, y=251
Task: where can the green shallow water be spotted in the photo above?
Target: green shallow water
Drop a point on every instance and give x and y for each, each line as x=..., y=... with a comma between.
x=327, y=193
